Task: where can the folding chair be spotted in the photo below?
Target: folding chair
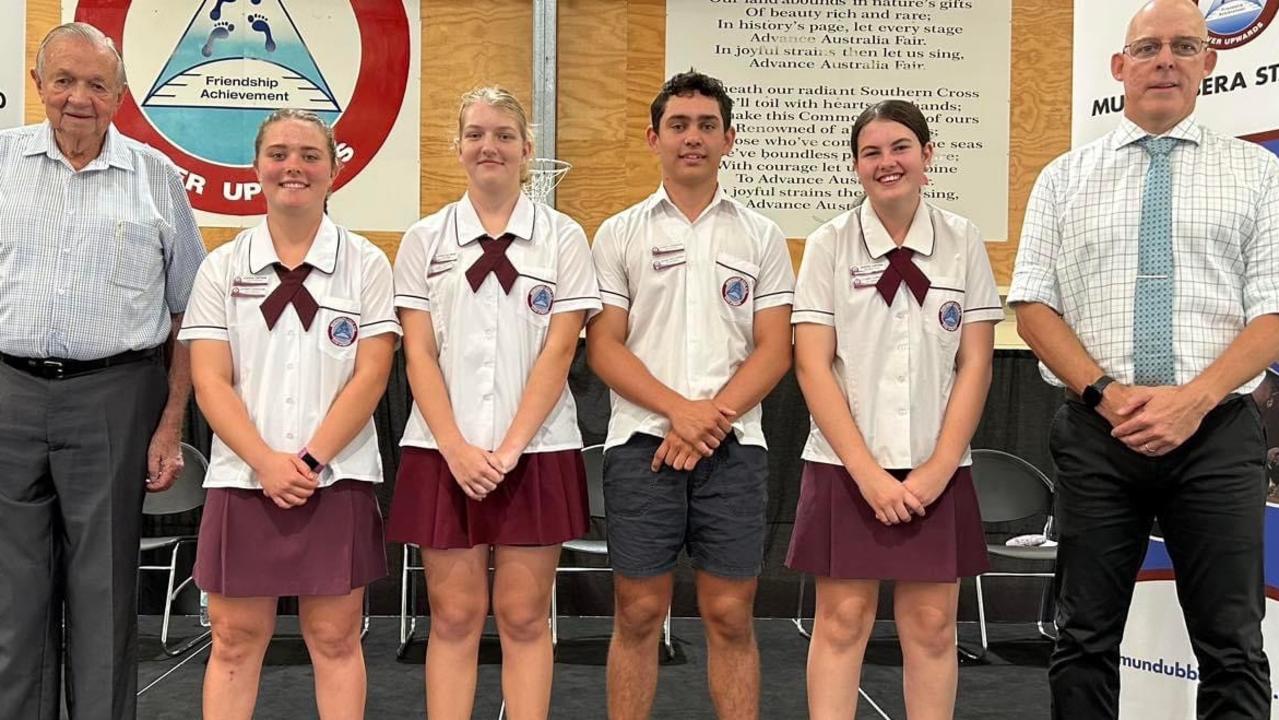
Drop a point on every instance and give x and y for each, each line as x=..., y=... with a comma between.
x=1011, y=489
x=186, y=494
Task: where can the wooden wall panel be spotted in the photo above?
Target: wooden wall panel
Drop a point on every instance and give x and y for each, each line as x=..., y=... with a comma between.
x=42, y=16
x=593, y=132
x=611, y=63
x=1040, y=122
x=645, y=73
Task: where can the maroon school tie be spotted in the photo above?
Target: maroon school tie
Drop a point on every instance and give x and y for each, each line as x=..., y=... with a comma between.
x=290, y=290
x=902, y=268
x=493, y=260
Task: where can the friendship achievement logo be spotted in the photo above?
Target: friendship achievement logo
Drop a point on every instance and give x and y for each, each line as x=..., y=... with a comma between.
x=236, y=62
x=1233, y=23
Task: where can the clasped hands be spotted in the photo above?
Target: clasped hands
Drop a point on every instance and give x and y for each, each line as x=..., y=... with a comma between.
x=697, y=429
x=1153, y=421
x=478, y=471
x=898, y=501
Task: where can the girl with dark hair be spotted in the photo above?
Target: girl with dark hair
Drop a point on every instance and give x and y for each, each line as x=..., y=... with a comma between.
x=894, y=317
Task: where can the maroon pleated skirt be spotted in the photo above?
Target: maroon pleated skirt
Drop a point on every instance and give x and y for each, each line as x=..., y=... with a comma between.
x=542, y=501
x=330, y=545
x=836, y=533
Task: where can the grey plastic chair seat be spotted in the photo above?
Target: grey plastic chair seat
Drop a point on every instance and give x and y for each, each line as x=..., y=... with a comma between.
x=1047, y=554
x=590, y=547
x=156, y=543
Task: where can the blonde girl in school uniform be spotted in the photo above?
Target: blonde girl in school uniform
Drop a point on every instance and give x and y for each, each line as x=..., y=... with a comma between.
x=492, y=291
x=894, y=316
x=292, y=329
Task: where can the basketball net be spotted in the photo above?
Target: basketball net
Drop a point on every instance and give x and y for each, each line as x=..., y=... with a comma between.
x=543, y=175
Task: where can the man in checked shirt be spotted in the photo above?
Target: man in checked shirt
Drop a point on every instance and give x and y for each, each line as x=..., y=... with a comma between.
x=98, y=251
x=1147, y=282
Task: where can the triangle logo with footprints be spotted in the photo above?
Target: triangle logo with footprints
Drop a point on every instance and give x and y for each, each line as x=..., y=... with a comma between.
x=237, y=61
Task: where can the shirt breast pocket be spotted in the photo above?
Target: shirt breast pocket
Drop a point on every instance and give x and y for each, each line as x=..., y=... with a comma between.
x=337, y=327
x=535, y=291
x=440, y=282
x=736, y=279
x=138, y=256
x=943, y=311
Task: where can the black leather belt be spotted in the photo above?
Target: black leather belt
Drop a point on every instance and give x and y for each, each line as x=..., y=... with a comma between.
x=59, y=368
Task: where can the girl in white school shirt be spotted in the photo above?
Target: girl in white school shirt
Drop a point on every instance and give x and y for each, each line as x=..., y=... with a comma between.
x=894, y=316
x=292, y=329
x=492, y=292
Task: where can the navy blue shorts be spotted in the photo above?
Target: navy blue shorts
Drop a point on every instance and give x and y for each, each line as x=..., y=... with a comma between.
x=716, y=510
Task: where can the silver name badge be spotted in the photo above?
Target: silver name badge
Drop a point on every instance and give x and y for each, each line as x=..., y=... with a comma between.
x=248, y=291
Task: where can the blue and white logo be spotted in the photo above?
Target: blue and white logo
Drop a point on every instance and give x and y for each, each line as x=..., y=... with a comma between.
x=228, y=72
x=1232, y=23
x=343, y=331
x=540, y=299
x=950, y=315
x=735, y=290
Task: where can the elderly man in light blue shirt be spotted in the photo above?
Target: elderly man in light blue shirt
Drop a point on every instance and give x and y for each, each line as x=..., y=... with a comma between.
x=98, y=252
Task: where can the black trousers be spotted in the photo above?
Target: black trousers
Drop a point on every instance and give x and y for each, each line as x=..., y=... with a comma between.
x=1209, y=497
x=73, y=464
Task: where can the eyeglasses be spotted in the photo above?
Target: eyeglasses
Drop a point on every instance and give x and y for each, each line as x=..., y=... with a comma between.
x=1149, y=48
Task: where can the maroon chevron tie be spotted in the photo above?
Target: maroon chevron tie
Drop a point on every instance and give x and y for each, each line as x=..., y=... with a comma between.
x=493, y=260
x=901, y=267
x=290, y=290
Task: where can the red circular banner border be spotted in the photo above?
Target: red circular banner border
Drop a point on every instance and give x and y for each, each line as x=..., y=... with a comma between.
x=365, y=124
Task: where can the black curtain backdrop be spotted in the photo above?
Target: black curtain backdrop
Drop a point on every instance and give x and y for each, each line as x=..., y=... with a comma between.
x=1018, y=411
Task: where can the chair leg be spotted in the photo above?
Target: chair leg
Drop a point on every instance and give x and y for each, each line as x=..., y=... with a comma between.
x=408, y=605
x=1046, y=601
x=799, y=609
x=555, y=617
x=981, y=616
x=364, y=622
x=168, y=599
x=666, y=636
x=966, y=655
x=169, y=596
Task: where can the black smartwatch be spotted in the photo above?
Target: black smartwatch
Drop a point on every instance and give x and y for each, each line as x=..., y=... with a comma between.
x=1093, y=393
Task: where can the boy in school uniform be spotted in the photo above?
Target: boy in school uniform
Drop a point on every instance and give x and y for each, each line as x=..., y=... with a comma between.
x=694, y=333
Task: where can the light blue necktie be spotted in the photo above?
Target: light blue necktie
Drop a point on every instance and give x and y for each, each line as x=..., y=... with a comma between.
x=1152, y=306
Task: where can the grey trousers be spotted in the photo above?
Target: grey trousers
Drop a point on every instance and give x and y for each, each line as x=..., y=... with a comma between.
x=72, y=472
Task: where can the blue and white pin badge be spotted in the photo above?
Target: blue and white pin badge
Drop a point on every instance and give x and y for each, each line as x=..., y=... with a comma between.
x=1232, y=23
x=540, y=299
x=950, y=315
x=343, y=331
x=735, y=290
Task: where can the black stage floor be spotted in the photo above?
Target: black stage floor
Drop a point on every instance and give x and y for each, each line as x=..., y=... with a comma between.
x=1011, y=684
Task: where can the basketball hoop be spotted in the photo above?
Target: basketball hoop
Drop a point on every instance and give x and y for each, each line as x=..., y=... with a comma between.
x=543, y=175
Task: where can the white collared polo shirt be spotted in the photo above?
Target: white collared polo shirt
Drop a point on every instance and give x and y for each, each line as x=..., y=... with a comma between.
x=489, y=339
x=691, y=291
x=288, y=377
x=895, y=363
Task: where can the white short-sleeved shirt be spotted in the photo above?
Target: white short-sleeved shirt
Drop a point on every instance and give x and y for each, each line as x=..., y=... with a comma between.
x=691, y=290
x=288, y=377
x=488, y=339
x=895, y=364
